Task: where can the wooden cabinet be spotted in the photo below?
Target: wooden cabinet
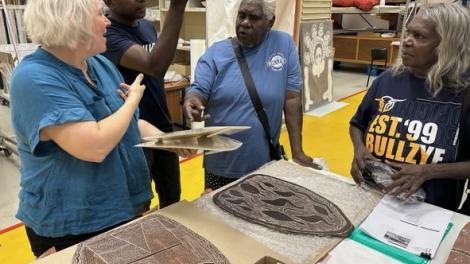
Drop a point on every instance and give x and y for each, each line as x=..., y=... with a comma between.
x=356, y=49
x=174, y=92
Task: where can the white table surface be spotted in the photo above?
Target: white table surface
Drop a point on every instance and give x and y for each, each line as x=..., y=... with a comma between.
x=349, y=251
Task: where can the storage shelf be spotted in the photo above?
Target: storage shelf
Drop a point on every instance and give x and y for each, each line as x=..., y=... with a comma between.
x=403, y=11
x=190, y=9
x=315, y=9
x=153, y=14
x=193, y=27
x=183, y=48
x=376, y=10
x=357, y=49
x=353, y=31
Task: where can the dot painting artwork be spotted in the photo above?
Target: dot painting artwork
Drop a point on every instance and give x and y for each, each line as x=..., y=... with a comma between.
x=283, y=206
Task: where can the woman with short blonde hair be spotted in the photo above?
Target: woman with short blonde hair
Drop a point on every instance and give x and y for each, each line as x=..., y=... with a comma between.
x=53, y=23
x=76, y=124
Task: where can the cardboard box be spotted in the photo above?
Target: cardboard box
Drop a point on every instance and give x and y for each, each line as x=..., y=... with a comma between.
x=244, y=250
x=269, y=260
x=239, y=247
x=302, y=249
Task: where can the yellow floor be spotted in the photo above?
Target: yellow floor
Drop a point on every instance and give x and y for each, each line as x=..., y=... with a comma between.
x=326, y=137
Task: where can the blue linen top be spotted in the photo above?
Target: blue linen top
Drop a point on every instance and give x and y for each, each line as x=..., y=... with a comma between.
x=275, y=69
x=60, y=194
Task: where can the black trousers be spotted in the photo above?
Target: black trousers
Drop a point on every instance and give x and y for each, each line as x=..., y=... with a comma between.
x=40, y=244
x=165, y=171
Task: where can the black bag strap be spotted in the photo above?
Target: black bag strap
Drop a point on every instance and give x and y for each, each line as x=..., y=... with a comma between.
x=250, y=86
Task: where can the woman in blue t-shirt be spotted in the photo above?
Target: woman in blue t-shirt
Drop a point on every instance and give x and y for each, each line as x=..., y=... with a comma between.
x=76, y=125
x=220, y=92
x=410, y=115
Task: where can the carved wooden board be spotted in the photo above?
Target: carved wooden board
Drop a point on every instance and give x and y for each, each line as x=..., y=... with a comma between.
x=283, y=206
x=153, y=239
x=460, y=253
x=213, y=143
x=197, y=132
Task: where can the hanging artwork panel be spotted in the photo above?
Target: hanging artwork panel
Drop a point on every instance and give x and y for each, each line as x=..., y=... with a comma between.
x=316, y=52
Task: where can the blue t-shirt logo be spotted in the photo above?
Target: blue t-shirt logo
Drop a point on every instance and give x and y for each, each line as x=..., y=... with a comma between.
x=386, y=103
x=276, y=61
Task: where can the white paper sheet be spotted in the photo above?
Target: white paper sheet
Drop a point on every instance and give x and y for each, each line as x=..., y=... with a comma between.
x=417, y=228
x=350, y=251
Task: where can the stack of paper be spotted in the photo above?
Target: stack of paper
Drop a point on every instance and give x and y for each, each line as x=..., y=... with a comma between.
x=208, y=139
x=417, y=228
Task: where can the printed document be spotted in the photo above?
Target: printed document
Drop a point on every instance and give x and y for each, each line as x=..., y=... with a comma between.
x=417, y=228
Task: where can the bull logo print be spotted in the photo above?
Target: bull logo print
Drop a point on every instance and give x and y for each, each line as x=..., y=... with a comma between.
x=386, y=103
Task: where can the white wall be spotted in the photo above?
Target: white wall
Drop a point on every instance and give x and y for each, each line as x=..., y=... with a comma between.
x=221, y=15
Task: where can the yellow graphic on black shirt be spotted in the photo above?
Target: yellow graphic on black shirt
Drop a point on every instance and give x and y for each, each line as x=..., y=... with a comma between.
x=383, y=139
x=386, y=103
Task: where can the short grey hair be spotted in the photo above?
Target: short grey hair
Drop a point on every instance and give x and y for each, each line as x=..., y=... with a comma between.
x=269, y=6
x=60, y=23
x=452, y=24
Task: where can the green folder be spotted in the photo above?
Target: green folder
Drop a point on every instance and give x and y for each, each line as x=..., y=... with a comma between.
x=396, y=253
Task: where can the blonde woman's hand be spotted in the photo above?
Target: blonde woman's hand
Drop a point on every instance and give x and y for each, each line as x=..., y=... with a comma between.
x=134, y=91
